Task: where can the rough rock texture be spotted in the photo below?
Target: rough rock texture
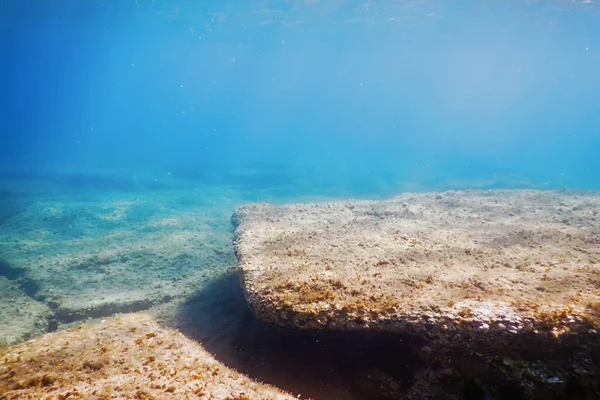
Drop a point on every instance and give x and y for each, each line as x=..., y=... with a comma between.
x=127, y=357
x=510, y=275
x=27, y=317
x=82, y=255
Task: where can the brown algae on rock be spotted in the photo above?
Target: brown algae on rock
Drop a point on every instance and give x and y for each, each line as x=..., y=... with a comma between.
x=126, y=357
x=506, y=274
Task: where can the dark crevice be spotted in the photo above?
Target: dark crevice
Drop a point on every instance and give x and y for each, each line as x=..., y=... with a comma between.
x=19, y=277
x=511, y=392
x=473, y=391
x=575, y=390
x=314, y=364
x=30, y=287
x=10, y=272
x=66, y=316
x=340, y=365
x=52, y=325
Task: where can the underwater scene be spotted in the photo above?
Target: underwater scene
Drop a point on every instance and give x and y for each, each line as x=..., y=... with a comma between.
x=314, y=199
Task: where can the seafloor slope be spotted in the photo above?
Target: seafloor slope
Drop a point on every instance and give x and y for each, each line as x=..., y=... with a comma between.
x=91, y=254
x=510, y=278
x=478, y=295
x=127, y=357
x=21, y=317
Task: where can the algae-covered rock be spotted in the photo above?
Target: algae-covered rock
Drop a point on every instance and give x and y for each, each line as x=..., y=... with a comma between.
x=511, y=277
x=127, y=357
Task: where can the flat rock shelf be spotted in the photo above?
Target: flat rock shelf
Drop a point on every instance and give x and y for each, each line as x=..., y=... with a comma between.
x=507, y=274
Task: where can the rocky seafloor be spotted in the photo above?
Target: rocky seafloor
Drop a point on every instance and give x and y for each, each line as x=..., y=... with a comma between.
x=451, y=307
x=85, y=255
x=126, y=357
x=500, y=289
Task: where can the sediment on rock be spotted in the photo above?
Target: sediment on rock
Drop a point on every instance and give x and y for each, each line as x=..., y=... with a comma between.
x=123, y=357
x=512, y=275
x=28, y=318
x=87, y=256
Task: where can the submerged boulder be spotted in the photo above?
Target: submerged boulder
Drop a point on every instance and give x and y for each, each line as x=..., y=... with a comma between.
x=501, y=285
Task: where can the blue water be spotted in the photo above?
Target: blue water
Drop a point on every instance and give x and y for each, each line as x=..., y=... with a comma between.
x=130, y=130
x=366, y=97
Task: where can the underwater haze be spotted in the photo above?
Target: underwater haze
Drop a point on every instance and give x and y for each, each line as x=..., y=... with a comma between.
x=132, y=130
x=365, y=97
